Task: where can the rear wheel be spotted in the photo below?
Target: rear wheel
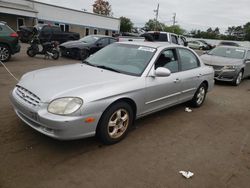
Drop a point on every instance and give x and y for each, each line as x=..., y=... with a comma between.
x=238, y=79
x=55, y=55
x=199, y=96
x=31, y=52
x=115, y=123
x=5, y=53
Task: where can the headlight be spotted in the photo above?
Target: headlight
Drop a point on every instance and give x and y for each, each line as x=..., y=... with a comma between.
x=230, y=67
x=65, y=106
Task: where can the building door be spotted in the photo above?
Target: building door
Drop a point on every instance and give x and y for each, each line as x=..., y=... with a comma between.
x=20, y=22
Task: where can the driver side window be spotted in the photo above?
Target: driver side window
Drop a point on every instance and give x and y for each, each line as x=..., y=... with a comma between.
x=168, y=59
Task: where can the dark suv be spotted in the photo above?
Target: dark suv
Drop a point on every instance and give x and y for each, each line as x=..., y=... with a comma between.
x=8, y=42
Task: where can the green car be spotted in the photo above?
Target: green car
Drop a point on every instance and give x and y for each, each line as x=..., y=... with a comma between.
x=8, y=42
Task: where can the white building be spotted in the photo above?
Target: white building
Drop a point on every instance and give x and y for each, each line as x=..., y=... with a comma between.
x=29, y=12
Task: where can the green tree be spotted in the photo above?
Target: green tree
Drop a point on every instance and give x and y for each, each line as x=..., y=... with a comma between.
x=154, y=25
x=126, y=24
x=102, y=7
x=174, y=29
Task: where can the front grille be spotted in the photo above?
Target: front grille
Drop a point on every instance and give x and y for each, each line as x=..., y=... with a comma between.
x=27, y=96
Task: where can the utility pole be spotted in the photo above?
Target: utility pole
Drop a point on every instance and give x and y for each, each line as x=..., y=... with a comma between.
x=156, y=15
x=174, y=19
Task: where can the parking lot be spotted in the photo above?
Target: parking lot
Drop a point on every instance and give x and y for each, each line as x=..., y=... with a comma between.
x=213, y=142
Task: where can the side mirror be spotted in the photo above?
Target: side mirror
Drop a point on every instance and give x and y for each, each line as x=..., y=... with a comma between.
x=162, y=72
x=186, y=44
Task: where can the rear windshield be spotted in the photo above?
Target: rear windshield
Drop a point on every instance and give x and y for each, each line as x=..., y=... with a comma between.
x=160, y=37
x=5, y=29
x=235, y=53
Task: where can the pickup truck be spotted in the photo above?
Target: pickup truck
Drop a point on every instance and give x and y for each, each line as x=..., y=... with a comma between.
x=47, y=33
x=158, y=36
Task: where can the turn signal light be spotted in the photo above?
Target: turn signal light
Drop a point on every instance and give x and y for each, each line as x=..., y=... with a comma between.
x=90, y=120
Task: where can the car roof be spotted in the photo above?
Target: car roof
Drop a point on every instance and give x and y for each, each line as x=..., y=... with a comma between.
x=235, y=47
x=150, y=44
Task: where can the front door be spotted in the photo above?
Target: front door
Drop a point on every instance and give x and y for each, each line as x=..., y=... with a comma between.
x=162, y=92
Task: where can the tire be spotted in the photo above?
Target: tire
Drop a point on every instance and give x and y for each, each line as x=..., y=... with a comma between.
x=56, y=54
x=112, y=128
x=83, y=54
x=5, y=53
x=30, y=52
x=238, y=79
x=199, y=96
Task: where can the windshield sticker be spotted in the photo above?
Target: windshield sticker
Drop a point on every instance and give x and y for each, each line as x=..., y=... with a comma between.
x=147, y=49
x=239, y=50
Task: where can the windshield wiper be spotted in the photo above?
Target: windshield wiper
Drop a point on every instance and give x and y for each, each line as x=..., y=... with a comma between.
x=87, y=63
x=107, y=68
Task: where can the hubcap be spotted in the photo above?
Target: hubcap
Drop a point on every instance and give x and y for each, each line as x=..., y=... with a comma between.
x=201, y=95
x=4, y=53
x=239, y=78
x=118, y=123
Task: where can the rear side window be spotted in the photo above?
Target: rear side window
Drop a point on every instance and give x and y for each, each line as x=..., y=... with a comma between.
x=188, y=60
x=161, y=37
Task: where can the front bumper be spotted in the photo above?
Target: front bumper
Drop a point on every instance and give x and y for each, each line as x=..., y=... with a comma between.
x=55, y=126
x=69, y=52
x=225, y=75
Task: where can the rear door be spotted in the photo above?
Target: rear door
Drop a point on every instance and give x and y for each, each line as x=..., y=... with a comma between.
x=190, y=73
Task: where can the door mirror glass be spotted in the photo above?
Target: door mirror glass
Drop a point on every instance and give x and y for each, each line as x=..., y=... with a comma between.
x=162, y=72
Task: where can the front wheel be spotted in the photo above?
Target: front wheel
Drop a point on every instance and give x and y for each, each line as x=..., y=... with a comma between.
x=115, y=123
x=5, y=53
x=199, y=96
x=55, y=55
x=83, y=54
x=31, y=52
x=238, y=78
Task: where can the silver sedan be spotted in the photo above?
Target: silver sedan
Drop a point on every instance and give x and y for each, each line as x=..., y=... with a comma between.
x=104, y=94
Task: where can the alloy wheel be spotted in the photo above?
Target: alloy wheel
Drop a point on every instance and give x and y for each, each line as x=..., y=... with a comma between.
x=4, y=53
x=118, y=123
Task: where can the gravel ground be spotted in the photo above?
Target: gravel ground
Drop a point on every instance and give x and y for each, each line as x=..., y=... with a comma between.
x=212, y=141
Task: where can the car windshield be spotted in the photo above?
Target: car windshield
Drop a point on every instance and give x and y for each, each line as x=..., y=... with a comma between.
x=234, y=53
x=124, y=58
x=89, y=39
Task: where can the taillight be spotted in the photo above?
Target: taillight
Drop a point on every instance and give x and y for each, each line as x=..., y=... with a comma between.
x=15, y=35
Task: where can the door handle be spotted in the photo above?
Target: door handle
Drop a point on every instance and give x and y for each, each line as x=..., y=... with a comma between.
x=176, y=80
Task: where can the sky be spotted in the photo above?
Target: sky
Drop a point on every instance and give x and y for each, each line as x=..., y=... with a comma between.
x=190, y=14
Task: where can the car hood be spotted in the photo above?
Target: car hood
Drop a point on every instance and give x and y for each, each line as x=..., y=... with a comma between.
x=74, y=44
x=220, y=61
x=78, y=80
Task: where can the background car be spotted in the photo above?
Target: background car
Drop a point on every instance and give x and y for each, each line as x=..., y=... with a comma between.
x=197, y=45
x=83, y=48
x=209, y=46
x=47, y=33
x=228, y=43
x=107, y=92
x=231, y=64
x=8, y=42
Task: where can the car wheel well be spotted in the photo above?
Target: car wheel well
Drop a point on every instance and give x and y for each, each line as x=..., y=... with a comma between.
x=126, y=100
x=206, y=83
x=6, y=44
